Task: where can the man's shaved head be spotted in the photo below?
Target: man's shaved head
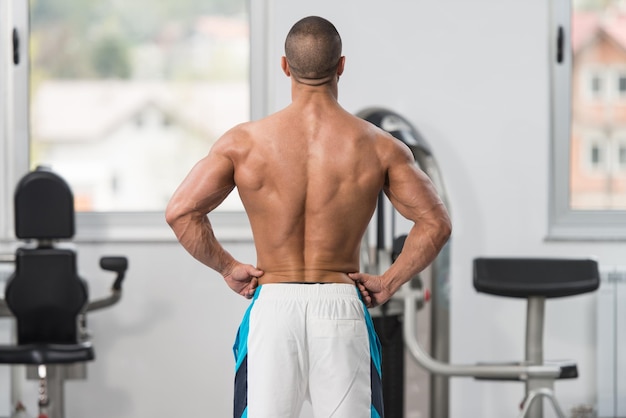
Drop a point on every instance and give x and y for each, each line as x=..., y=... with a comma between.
x=313, y=50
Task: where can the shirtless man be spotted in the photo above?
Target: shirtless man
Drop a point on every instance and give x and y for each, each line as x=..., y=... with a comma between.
x=309, y=176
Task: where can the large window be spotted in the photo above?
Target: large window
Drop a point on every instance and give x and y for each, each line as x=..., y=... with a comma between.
x=589, y=85
x=127, y=95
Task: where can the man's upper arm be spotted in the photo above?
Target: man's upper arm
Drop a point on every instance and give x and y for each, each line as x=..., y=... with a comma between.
x=207, y=184
x=410, y=190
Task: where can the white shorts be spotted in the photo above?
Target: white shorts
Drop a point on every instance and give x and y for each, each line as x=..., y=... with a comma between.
x=307, y=342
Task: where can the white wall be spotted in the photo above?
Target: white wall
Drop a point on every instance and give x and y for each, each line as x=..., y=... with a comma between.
x=473, y=77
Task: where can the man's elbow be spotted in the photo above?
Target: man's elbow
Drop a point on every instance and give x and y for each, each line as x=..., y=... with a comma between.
x=173, y=214
x=444, y=227
x=446, y=230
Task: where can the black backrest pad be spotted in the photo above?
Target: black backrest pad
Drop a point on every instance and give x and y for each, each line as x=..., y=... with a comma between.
x=44, y=207
x=524, y=277
x=45, y=294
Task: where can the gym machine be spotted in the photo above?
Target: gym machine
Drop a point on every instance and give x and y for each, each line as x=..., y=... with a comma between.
x=46, y=296
x=379, y=248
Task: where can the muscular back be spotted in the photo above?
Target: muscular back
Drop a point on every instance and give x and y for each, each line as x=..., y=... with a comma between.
x=309, y=177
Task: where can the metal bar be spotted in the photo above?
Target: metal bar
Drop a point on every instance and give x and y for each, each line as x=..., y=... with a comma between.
x=535, y=312
x=105, y=302
x=380, y=219
x=7, y=258
x=56, y=391
x=4, y=309
x=487, y=371
x=440, y=332
x=536, y=395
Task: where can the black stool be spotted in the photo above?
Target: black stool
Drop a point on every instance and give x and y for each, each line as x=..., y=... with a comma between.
x=536, y=279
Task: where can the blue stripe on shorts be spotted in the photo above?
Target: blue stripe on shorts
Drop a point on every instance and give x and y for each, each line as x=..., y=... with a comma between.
x=376, y=365
x=240, y=350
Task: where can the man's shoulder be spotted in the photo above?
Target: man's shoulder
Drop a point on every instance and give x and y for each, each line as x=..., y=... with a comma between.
x=253, y=128
x=237, y=134
x=390, y=150
x=233, y=142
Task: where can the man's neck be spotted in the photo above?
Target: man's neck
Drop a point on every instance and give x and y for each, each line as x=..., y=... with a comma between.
x=301, y=92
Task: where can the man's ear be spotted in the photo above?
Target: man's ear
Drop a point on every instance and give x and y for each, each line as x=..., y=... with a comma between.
x=285, y=66
x=341, y=65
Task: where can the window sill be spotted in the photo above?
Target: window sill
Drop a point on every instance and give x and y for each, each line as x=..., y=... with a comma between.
x=151, y=227
x=585, y=226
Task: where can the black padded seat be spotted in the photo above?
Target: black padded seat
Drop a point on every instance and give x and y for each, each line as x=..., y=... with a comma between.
x=36, y=354
x=544, y=277
x=46, y=295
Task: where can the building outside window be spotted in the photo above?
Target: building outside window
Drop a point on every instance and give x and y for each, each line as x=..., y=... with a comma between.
x=598, y=36
x=124, y=102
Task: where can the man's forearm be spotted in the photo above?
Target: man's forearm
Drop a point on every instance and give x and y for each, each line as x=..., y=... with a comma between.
x=196, y=235
x=421, y=247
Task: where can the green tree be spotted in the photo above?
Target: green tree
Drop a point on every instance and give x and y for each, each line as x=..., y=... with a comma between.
x=110, y=58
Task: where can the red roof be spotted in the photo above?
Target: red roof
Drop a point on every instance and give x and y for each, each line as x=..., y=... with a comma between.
x=586, y=26
x=617, y=29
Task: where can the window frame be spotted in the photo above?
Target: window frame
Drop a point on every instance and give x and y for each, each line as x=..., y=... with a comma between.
x=14, y=123
x=564, y=223
x=111, y=226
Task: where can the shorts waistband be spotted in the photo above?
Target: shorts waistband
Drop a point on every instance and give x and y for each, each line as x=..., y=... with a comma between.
x=306, y=290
